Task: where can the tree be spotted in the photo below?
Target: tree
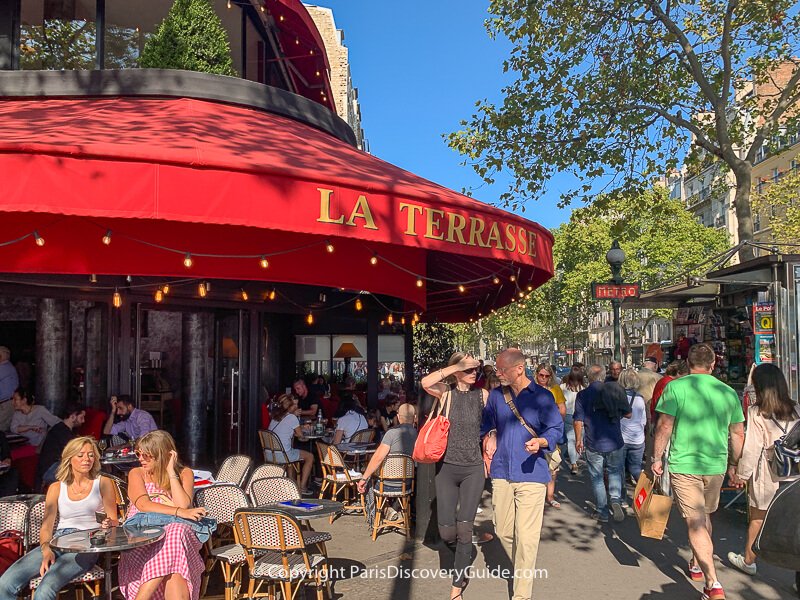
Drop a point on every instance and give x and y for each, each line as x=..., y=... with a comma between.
x=779, y=204
x=433, y=345
x=191, y=37
x=612, y=91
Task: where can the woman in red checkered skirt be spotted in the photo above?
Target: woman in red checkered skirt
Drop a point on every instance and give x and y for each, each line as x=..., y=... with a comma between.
x=172, y=567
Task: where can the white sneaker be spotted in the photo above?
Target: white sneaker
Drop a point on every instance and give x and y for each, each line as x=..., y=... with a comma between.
x=737, y=560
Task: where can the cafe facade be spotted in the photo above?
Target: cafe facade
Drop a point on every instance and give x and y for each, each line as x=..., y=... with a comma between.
x=183, y=237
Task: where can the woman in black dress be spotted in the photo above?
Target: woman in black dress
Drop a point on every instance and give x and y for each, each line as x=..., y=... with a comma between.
x=460, y=475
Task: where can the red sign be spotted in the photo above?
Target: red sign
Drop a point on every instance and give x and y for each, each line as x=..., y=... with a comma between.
x=614, y=291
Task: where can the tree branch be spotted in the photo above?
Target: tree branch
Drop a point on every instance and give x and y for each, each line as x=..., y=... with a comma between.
x=789, y=96
x=725, y=47
x=702, y=139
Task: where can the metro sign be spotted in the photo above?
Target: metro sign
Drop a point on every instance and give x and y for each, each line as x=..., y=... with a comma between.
x=614, y=291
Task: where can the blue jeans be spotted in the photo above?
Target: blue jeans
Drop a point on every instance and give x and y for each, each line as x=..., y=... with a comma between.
x=569, y=434
x=633, y=459
x=597, y=462
x=202, y=528
x=67, y=566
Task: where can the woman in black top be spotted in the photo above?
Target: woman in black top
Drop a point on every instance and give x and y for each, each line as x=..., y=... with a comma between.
x=460, y=475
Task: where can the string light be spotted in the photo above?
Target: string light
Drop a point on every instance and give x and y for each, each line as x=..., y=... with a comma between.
x=159, y=297
x=116, y=299
x=38, y=239
x=229, y=3
x=310, y=319
x=329, y=247
x=262, y=8
x=513, y=278
x=166, y=289
x=416, y=317
x=521, y=295
x=187, y=261
x=201, y=290
x=107, y=238
x=461, y=288
x=402, y=320
x=419, y=282
x=272, y=294
x=374, y=260
x=359, y=305
x=296, y=41
x=390, y=319
x=245, y=297
x=263, y=262
x=530, y=288
x=281, y=18
x=318, y=73
x=92, y=278
x=496, y=280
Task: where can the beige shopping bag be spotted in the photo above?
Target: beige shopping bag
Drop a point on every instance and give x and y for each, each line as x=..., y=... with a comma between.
x=652, y=508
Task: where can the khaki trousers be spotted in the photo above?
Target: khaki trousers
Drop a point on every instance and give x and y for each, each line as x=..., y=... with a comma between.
x=518, y=510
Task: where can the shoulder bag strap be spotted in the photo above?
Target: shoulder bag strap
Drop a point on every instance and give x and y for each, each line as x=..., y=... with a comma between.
x=781, y=427
x=513, y=407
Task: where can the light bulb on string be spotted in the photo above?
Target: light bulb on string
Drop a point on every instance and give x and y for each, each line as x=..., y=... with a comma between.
x=310, y=318
x=402, y=320
x=318, y=73
x=419, y=282
x=530, y=288
x=281, y=18
x=245, y=297
x=390, y=319
x=373, y=260
x=201, y=290
x=329, y=247
x=272, y=294
x=359, y=305
x=159, y=296
x=38, y=239
x=512, y=278
x=187, y=261
x=496, y=280
x=229, y=3
x=165, y=289
x=107, y=238
x=263, y=262
x=92, y=278
x=521, y=294
x=262, y=8
x=461, y=288
x=116, y=299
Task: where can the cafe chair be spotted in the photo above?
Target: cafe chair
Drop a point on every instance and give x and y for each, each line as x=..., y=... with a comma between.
x=262, y=471
x=14, y=517
x=234, y=469
x=277, y=555
x=275, y=453
x=91, y=581
x=363, y=436
x=221, y=501
x=120, y=494
x=340, y=479
x=280, y=489
x=395, y=482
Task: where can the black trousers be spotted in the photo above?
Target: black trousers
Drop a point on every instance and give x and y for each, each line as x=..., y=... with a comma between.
x=458, y=493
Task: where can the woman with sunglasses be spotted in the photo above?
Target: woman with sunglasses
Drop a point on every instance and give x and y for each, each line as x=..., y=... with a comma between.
x=546, y=377
x=460, y=475
x=170, y=568
x=78, y=494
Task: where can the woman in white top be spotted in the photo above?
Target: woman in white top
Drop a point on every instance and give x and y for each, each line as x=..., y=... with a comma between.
x=573, y=383
x=352, y=418
x=286, y=426
x=30, y=420
x=633, y=427
x=773, y=414
x=77, y=494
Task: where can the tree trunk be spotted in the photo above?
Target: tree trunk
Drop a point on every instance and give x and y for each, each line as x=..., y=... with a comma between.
x=741, y=203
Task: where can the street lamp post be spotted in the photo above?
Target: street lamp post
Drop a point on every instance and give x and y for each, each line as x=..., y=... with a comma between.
x=615, y=258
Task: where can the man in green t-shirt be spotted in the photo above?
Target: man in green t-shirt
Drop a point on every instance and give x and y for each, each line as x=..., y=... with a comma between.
x=698, y=412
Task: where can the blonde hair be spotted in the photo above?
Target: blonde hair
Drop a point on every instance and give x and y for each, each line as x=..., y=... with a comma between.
x=159, y=444
x=454, y=359
x=72, y=449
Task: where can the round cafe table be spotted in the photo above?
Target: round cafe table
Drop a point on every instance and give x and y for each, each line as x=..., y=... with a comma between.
x=326, y=508
x=117, y=540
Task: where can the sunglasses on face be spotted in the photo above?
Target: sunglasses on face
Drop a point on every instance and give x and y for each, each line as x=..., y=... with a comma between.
x=143, y=455
x=469, y=371
x=543, y=374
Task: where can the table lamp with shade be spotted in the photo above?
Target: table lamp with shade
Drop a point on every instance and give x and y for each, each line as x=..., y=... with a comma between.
x=347, y=351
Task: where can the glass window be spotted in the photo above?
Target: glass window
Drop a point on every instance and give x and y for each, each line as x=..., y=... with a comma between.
x=128, y=25
x=57, y=34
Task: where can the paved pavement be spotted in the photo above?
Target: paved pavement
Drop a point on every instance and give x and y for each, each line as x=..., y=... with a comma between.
x=582, y=559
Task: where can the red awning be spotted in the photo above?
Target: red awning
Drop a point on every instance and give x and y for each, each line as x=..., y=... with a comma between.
x=170, y=176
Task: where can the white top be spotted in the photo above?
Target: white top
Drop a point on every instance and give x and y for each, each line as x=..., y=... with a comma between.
x=38, y=417
x=79, y=514
x=351, y=422
x=284, y=429
x=570, y=396
x=633, y=427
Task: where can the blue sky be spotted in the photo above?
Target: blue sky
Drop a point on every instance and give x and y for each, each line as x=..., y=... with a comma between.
x=420, y=66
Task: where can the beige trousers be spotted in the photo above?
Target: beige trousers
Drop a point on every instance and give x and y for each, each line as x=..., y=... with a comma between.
x=518, y=510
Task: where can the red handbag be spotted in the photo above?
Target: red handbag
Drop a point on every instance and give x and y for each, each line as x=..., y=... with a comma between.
x=11, y=548
x=432, y=439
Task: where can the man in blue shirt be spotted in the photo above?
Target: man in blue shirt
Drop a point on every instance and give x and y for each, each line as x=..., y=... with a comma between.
x=597, y=429
x=519, y=468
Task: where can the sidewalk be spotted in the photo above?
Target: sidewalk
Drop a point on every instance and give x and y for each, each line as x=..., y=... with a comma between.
x=579, y=557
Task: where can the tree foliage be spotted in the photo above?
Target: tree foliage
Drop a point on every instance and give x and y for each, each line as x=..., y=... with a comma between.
x=779, y=206
x=190, y=37
x=613, y=91
x=433, y=345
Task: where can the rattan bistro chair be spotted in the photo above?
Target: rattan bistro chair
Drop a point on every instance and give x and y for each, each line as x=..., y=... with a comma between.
x=120, y=495
x=339, y=478
x=262, y=472
x=221, y=501
x=234, y=469
x=91, y=581
x=14, y=517
x=280, y=489
x=275, y=453
x=363, y=436
x=276, y=554
x=395, y=482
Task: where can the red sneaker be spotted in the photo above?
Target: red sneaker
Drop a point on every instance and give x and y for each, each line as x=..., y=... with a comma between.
x=715, y=592
x=695, y=573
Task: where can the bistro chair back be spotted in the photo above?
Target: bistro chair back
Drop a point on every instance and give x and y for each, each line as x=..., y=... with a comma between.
x=35, y=521
x=275, y=453
x=395, y=482
x=234, y=469
x=120, y=494
x=273, y=489
x=363, y=436
x=262, y=471
x=14, y=516
x=221, y=501
x=339, y=479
